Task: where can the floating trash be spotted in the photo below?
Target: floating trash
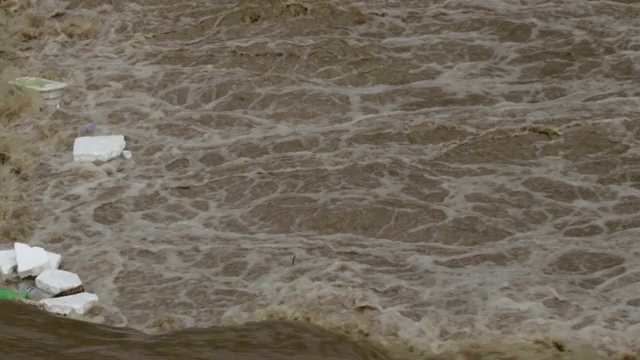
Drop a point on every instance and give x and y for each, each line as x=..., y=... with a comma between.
x=98, y=148
x=51, y=91
x=57, y=291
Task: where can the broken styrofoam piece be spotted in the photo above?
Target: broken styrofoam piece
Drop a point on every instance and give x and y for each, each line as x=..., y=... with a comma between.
x=98, y=148
x=72, y=304
x=55, y=260
x=8, y=263
x=30, y=261
x=57, y=281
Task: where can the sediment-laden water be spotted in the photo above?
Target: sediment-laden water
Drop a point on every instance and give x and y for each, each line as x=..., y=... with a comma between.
x=431, y=179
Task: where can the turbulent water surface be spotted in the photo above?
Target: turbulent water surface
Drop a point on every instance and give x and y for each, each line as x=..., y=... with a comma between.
x=426, y=176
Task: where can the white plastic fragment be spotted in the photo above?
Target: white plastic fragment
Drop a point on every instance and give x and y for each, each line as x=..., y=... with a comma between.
x=98, y=148
x=31, y=261
x=8, y=262
x=72, y=304
x=126, y=154
x=57, y=281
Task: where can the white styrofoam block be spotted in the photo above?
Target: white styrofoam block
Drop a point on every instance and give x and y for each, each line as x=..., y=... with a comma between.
x=54, y=260
x=8, y=262
x=72, y=304
x=31, y=261
x=57, y=281
x=98, y=148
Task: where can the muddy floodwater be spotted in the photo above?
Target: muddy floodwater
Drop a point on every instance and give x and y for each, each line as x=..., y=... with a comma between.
x=375, y=180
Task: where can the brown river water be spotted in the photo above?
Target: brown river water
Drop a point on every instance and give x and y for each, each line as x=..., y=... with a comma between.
x=435, y=179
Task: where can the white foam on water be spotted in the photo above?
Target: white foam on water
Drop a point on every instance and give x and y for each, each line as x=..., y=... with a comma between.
x=450, y=171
